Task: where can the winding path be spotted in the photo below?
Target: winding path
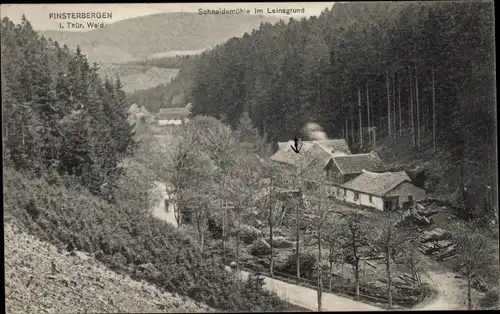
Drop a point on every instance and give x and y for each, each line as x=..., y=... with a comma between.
x=451, y=290
x=308, y=298
x=160, y=191
x=295, y=294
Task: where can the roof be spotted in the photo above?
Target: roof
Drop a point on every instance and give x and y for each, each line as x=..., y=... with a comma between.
x=315, y=159
x=283, y=145
x=353, y=164
x=288, y=156
x=333, y=146
x=377, y=184
x=173, y=113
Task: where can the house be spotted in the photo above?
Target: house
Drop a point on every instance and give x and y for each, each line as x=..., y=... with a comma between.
x=313, y=162
x=344, y=168
x=288, y=156
x=335, y=146
x=311, y=159
x=138, y=116
x=382, y=191
x=174, y=116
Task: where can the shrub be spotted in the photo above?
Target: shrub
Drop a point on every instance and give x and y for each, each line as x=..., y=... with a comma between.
x=490, y=300
x=307, y=263
x=124, y=237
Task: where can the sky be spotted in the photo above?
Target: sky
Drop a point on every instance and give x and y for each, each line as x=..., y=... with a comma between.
x=38, y=14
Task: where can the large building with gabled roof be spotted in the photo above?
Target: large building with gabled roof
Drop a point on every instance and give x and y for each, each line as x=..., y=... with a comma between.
x=344, y=168
x=174, y=116
x=383, y=191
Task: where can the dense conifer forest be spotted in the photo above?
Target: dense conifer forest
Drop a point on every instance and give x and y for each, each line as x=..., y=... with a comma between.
x=58, y=114
x=423, y=71
x=66, y=139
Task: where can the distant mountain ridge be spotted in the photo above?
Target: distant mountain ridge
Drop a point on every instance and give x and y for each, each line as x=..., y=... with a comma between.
x=157, y=34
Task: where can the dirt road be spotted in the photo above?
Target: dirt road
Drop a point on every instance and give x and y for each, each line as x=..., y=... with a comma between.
x=451, y=288
x=308, y=298
x=451, y=292
x=294, y=294
x=160, y=193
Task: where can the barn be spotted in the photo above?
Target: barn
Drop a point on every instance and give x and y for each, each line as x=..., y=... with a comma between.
x=174, y=116
x=383, y=191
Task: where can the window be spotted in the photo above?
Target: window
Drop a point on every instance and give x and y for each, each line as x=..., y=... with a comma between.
x=356, y=196
x=410, y=198
x=371, y=200
x=345, y=192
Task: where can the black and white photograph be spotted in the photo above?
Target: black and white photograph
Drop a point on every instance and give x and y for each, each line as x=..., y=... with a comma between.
x=249, y=157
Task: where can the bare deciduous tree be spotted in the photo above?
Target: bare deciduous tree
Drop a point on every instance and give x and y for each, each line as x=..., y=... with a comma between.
x=475, y=251
x=390, y=239
x=356, y=235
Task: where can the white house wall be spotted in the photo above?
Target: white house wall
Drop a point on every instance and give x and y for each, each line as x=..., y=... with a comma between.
x=406, y=189
x=169, y=122
x=376, y=201
x=364, y=199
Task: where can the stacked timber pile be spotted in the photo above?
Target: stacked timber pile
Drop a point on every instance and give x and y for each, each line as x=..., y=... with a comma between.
x=438, y=244
x=396, y=283
x=417, y=215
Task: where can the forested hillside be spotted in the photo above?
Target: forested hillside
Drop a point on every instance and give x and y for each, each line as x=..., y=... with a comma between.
x=419, y=68
x=156, y=34
x=58, y=114
x=172, y=94
x=65, y=136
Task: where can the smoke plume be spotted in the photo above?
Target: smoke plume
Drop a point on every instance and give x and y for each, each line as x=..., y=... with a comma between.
x=313, y=132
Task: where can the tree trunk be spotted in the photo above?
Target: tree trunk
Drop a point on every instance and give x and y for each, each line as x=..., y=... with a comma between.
x=320, y=270
x=352, y=131
x=297, y=245
x=389, y=279
x=469, y=296
x=356, y=260
x=356, y=274
x=462, y=183
x=346, y=129
x=399, y=104
x=199, y=220
x=368, y=116
x=388, y=246
x=393, y=105
x=346, y=123
x=238, y=242
x=22, y=135
x=418, y=108
x=411, y=110
x=331, y=268
x=271, y=263
x=224, y=231
x=379, y=111
x=389, y=127
x=177, y=213
x=342, y=274
x=360, y=120
x=433, y=112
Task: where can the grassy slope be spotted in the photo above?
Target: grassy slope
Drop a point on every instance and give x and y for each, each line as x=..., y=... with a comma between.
x=77, y=285
x=125, y=236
